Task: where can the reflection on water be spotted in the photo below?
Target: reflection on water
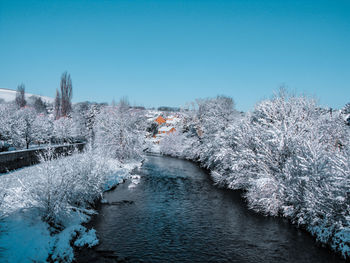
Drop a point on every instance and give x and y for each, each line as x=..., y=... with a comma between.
x=171, y=212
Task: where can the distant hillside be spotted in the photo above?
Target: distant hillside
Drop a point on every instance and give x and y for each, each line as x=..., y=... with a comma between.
x=10, y=95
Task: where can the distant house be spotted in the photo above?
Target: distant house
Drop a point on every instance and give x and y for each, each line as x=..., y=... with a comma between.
x=172, y=121
x=160, y=120
x=166, y=130
x=199, y=132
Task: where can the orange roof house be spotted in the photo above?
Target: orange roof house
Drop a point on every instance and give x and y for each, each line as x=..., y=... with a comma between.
x=166, y=130
x=160, y=120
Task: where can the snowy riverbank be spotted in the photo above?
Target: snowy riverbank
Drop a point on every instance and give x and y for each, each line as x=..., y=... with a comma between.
x=43, y=207
x=290, y=156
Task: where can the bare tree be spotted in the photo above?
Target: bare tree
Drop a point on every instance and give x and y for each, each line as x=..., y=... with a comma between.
x=20, y=96
x=66, y=94
x=57, y=105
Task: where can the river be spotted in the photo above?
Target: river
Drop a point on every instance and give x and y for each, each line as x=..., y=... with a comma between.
x=173, y=213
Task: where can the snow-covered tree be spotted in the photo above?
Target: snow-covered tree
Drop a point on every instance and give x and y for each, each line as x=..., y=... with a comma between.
x=213, y=117
x=7, y=117
x=117, y=134
x=79, y=116
x=22, y=133
x=63, y=130
x=277, y=127
x=93, y=112
x=42, y=128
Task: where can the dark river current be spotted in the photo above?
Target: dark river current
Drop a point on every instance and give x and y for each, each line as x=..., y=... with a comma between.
x=173, y=213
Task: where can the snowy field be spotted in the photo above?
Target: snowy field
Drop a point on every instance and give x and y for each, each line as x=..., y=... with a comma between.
x=10, y=95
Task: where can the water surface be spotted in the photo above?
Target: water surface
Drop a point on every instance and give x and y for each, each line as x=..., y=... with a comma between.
x=173, y=213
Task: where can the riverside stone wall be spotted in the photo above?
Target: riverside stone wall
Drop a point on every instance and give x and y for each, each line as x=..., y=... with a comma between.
x=17, y=159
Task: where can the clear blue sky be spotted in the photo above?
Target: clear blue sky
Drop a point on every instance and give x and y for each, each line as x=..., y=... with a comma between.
x=171, y=52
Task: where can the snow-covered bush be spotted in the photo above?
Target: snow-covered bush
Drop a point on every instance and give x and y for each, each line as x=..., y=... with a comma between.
x=172, y=144
x=117, y=133
x=51, y=200
x=272, y=135
x=290, y=156
x=66, y=184
x=59, y=186
x=213, y=118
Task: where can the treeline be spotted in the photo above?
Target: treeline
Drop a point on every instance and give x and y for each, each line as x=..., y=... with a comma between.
x=62, y=191
x=27, y=121
x=21, y=127
x=67, y=187
x=290, y=156
x=116, y=138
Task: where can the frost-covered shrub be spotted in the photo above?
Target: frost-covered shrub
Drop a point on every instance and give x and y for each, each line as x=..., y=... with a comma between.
x=172, y=144
x=59, y=186
x=64, y=184
x=52, y=199
x=272, y=134
x=190, y=142
x=117, y=134
x=264, y=195
x=213, y=118
x=290, y=156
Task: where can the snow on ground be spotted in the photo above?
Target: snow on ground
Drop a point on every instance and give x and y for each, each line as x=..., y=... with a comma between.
x=26, y=237
x=135, y=180
x=10, y=95
x=61, y=248
x=120, y=174
x=89, y=239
